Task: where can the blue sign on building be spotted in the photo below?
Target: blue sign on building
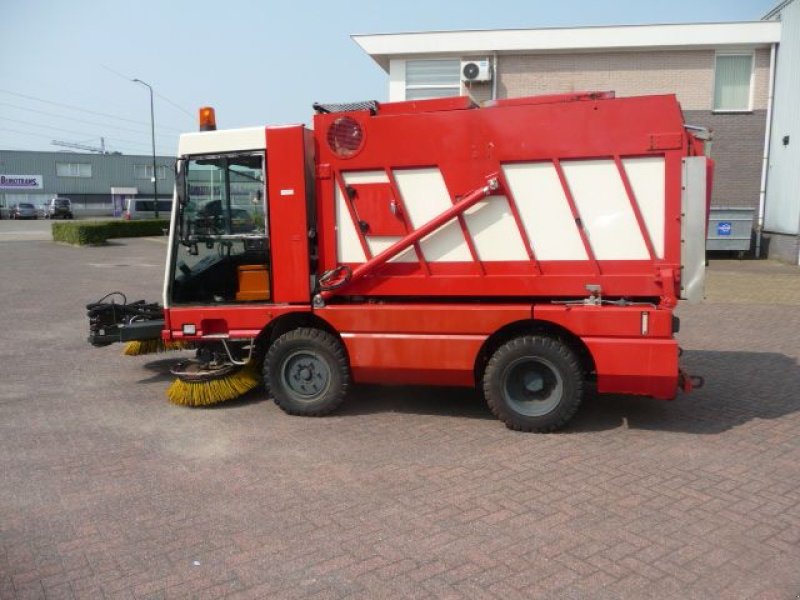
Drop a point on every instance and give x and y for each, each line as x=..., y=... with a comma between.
x=724, y=228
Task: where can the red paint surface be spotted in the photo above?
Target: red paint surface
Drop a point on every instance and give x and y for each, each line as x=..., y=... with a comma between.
x=641, y=367
x=478, y=142
x=288, y=216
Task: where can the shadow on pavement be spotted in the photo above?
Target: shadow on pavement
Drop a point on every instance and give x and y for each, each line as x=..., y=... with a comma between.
x=444, y=401
x=160, y=367
x=739, y=387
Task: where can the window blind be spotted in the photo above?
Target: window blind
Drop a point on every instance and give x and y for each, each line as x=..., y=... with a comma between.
x=732, y=82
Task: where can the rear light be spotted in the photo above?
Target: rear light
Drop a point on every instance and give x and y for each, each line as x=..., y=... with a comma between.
x=345, y=137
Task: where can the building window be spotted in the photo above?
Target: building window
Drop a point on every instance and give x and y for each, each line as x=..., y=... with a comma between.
x=733, y=77
x=73, y=169
x=146, y=172
x=432, y=79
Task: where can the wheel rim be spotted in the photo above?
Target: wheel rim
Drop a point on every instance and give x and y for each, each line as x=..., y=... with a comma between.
x=306, y=375
x=532, y=386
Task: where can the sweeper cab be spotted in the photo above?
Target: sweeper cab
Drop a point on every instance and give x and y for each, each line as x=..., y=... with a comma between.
x=531, y=247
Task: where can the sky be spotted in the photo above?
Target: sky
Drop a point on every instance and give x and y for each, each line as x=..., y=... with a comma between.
x=66, y=66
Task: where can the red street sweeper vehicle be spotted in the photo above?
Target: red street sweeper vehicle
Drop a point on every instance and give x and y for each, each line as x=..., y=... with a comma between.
x=529, y=247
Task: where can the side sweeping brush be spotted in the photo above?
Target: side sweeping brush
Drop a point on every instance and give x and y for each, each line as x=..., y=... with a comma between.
x=137, y=348
x=197, y=388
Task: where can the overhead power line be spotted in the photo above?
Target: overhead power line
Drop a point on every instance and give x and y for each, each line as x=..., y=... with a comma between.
x=84, y=110
x=164, y=98
x=77, y=120
x=82, y=133
x=180, y=108
x=50, y=137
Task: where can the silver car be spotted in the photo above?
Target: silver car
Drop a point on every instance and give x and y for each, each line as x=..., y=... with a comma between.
x=23, y=210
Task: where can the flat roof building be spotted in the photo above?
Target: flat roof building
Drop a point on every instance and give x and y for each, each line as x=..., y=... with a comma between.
x=97, y=184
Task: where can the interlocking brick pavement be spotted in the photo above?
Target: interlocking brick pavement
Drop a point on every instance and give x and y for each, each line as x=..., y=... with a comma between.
x=108, y=491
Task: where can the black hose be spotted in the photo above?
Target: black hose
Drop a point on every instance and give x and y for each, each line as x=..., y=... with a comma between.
x=116, y=313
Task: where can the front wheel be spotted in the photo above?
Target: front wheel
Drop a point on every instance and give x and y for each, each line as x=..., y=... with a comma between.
x=534, y=383
x=306, y=372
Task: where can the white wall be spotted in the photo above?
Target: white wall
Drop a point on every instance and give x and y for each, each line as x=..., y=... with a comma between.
x=782, y=210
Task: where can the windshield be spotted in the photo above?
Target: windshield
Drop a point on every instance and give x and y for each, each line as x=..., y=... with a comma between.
x=221, y=226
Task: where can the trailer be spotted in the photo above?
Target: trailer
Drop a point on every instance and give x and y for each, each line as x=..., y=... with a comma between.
x=528, y=247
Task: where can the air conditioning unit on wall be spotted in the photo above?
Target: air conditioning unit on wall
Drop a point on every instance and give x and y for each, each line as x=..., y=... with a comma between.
x=476, y=70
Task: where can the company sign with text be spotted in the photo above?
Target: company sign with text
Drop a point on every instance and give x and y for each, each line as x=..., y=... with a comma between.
x=21, y=182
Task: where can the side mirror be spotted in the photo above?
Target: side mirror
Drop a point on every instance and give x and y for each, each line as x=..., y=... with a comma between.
x=180, y=180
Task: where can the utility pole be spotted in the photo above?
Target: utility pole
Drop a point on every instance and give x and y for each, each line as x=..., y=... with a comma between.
x=153, y=139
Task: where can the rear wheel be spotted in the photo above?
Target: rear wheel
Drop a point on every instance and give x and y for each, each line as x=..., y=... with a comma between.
x=306, y=372
x=534, y=383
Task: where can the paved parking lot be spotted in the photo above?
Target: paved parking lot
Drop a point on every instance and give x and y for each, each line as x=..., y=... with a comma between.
x=108, y=491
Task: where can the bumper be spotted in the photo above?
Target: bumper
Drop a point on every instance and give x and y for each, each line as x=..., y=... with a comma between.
x=642, y=367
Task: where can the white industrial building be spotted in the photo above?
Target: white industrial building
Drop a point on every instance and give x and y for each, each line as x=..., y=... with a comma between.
x=97, y=184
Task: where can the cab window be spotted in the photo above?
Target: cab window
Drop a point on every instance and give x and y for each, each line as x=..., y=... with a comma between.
x=221, y=252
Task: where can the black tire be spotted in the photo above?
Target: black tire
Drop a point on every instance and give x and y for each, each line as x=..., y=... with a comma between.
x=534, y=383
x=306, y=372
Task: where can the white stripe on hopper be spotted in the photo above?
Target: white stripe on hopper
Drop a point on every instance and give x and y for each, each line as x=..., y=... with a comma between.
x=646, y=176
x=544, y=211
x=347, y=242
x=425, y=196
x=605, y=210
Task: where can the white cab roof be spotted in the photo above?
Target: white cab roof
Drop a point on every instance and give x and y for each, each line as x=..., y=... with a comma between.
x=223, y=140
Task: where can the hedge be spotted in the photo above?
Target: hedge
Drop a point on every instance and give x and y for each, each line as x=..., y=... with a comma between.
x=85, y=233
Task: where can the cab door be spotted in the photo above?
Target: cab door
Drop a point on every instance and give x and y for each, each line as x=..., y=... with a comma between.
x=290, y=161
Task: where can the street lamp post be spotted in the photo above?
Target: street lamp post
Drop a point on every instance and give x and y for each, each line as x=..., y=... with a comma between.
x=153, y=139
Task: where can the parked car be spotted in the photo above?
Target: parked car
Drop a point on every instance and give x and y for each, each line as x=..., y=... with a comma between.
x=59, y=208
x=23, y=210
x=145, y=208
